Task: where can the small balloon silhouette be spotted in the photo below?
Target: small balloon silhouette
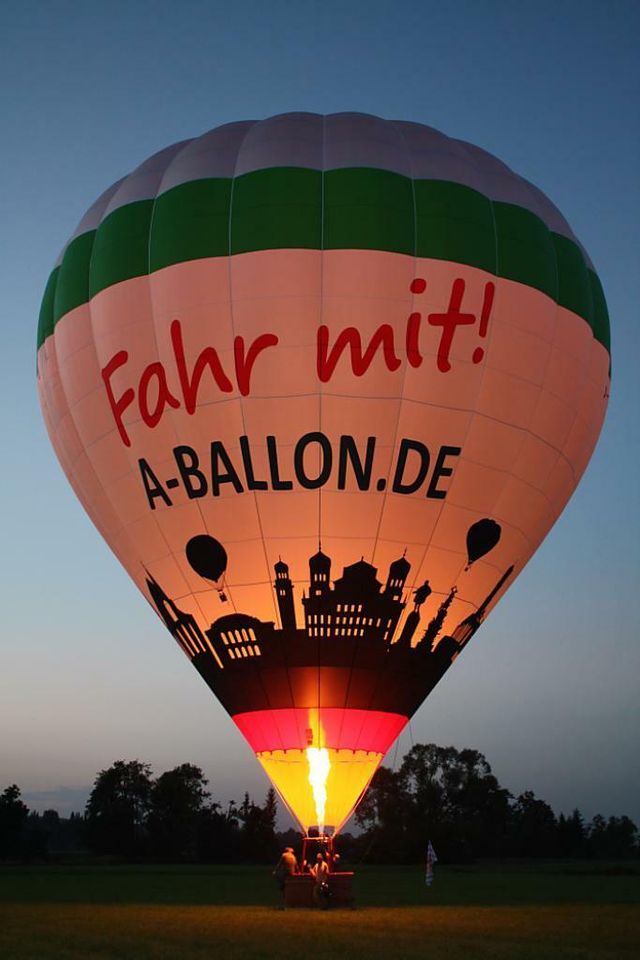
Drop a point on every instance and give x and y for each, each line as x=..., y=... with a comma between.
x=481, y=538
x=207, y=556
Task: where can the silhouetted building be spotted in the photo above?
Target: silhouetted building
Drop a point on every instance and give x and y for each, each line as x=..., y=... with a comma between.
x=356, y=607
x=181, y=625
x=319, y=572
x=466, y=629
x=444, y=654
x=284, y=594
x=435, y=626
x=239, y=636
x=344, y=655
x=398, y=573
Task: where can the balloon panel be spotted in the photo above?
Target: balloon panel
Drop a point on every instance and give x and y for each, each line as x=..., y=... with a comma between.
x=323, y=419
x=349, y=774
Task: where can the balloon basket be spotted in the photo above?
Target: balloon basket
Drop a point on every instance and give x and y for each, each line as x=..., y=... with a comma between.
x=300, y=890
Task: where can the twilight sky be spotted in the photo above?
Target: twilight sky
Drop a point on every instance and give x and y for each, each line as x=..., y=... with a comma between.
x=548, y=689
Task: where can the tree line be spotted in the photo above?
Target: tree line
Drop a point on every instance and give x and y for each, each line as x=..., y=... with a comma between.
x=442, y=794
x=452, y=798
x=130, y=815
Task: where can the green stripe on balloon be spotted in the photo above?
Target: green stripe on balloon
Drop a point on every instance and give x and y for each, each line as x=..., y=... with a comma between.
x=525, y=249
x=190, y=222
x=46, y=320
x=573, y=279
x=276, y=209
x=72, y=288
x=368, y=210
x=601, y=328
x=346, y=209
x=121, y=246
x=454, y=222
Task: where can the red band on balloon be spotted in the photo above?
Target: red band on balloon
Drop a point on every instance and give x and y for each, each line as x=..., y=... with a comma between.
x=297, y=729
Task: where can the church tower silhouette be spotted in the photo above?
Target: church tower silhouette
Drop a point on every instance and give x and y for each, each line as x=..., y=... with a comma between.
x=319, y=572
x=284, y=593
x=182, y=626
x=398, y=573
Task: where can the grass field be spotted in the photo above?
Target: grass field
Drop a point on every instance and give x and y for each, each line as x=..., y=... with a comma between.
x=491, y=912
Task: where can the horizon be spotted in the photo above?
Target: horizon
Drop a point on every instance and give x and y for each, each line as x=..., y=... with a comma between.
x=67, y=801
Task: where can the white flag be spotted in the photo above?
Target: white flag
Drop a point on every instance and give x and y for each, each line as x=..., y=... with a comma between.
x=431, y=859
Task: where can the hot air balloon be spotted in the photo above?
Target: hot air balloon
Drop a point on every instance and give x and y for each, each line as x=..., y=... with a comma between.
x=348, y=369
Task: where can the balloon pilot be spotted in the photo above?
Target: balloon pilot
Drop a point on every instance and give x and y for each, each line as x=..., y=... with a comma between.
x=287, y=866
x=320, y=874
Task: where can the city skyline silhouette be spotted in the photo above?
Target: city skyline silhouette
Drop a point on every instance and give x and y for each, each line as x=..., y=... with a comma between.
x=349, y=635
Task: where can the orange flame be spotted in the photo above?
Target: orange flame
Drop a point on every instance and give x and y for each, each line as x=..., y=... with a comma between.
x=319, y=767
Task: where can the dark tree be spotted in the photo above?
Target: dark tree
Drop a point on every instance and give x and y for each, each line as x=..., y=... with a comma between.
x=257, y=831
x=456, y=801
x=483, y=805
x=63, y=834
x=612, y=839
x=13, y=823
x=534, y=830
x=50, y=820
x=218, y=838
x=383, y=814
x=178, y=798
x=117, y=809
x=440, y=794
x=622, y=838
x=571, y=836
x=270, y=809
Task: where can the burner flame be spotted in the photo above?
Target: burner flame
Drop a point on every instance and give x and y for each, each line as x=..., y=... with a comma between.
x=319, y=767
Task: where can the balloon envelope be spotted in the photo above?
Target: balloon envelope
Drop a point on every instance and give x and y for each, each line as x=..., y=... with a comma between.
x=345, y=350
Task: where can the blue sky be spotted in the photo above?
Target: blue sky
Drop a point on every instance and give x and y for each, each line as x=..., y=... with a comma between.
x=548, y=689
